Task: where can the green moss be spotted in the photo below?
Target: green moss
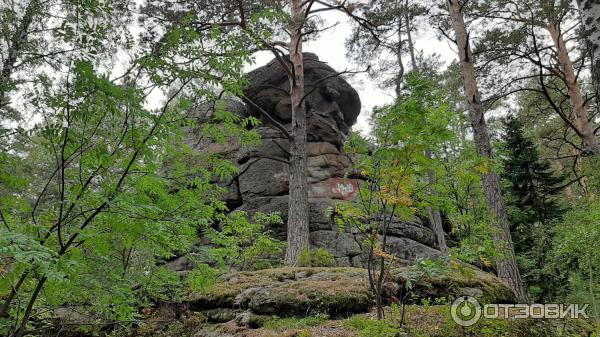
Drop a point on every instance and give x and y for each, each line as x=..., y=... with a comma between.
x=436, y=321
x=291, y=291
x=282, y=324
x=457, y=281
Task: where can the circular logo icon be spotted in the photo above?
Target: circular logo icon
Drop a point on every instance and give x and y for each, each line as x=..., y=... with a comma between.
x=465, y=311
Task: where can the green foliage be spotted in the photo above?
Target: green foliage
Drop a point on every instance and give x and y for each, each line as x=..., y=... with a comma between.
x=532, y=185
x=425, y=268
x=573, y=242
x=533, y=208
x=97, y=195
x=407, y=137
x=245, y=244
x=397, y=170
x=476, y=235
x=202, y=278
x=319, y=257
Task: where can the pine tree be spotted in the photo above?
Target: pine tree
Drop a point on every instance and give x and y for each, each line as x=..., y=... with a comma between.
x=506, y=265
x=533, y=207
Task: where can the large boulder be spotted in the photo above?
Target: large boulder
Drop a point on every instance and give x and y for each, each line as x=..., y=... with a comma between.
x=329, y=95
x=339, y=291
x=262, y=184
x=290, y=291
x=263, y=177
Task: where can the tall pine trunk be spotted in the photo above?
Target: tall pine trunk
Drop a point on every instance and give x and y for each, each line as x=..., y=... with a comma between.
x=583, y=124
x=297, y=225
x=506, y=264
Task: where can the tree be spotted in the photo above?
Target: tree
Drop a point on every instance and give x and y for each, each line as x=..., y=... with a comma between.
x=386, y=42
x=506, y=266
x=583, y=124
x=552, y=138
x=297, y=226
x=109, y=176
x=29, y=39
x=393, y=34
x=590, y=16
x=521, y=42
x=396, y=173
x=424, y=120
x=301, y=24
x=574, y=237
x=533, y=208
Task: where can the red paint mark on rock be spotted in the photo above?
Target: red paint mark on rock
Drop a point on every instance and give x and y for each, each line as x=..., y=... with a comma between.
x=345, y=188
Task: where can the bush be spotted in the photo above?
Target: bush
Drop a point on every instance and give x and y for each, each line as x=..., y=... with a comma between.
x=202, y=278
x=320, y=257
x=245, y=244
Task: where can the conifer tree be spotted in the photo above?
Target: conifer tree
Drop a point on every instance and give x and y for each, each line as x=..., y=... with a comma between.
x=533, y=207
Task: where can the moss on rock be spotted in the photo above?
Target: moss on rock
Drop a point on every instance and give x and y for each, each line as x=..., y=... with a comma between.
x=290, y=291
x=454, y=282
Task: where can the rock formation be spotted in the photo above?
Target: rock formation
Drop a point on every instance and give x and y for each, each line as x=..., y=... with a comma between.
x=262, y=185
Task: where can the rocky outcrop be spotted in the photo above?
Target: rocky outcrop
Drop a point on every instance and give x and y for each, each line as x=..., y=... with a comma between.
x=337, y=291
x=336, y=302
x=288, y=292
x=262, y=185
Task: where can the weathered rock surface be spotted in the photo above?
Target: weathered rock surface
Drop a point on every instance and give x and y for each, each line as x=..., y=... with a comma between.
x=335, y=291
x=263, y=182
x=292, y=291
x=332, y=99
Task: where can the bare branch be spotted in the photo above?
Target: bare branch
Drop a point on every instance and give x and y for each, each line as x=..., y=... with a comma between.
x=267, y=116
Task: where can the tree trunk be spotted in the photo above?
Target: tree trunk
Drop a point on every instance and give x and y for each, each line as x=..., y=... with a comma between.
x=506, y=264
x=297, y=225
x=435, y=218
x=584, y=125
x=568, y=191
x=11, y=296
x=400, y=75
x=590, y=17
x=591, y=287
x=411, y=45
x=21, y=329
x=17, y=42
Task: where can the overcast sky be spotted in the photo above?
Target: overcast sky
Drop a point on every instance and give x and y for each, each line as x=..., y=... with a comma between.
x=331, y=49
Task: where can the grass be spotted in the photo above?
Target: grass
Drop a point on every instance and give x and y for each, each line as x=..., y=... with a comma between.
x=436, y=321
x=287, y=323
x=371, y=327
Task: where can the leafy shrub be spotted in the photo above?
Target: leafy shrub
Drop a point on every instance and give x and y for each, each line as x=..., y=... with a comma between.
x=320, y=257
x=202, y=278
x=245, y=244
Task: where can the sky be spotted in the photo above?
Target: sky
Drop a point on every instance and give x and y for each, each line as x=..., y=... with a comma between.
x=330, y=47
